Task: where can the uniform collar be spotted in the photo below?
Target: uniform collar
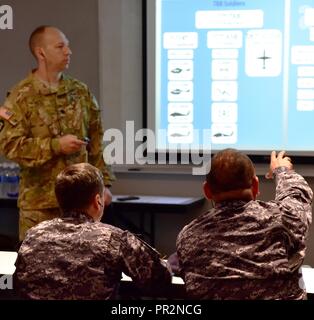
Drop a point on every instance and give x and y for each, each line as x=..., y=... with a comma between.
x=43, y=88
x=231, y=204
x=78, y=215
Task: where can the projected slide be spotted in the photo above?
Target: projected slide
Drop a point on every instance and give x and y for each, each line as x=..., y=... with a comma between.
x=242, y=69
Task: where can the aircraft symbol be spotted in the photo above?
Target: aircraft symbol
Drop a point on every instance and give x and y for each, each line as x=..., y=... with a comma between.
x=264, y=58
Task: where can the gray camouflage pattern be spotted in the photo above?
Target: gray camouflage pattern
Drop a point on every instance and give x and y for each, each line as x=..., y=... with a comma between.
x=249, y=250
x=77, y=258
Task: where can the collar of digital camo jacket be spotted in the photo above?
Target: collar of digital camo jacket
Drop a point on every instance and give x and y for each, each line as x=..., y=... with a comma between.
x=80, y=216
x=231, y=204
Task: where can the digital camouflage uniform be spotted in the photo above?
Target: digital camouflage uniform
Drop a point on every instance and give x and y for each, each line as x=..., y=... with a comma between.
x=77, y=258
x=34, y=116
x=249, y=250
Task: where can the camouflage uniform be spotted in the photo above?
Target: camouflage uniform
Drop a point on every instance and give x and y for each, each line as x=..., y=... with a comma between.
x=77, y=258
x=33, y=119
x=249, y=250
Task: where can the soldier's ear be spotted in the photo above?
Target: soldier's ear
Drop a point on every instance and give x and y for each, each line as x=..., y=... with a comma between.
x=207, y=191
x=40, y=53
x=255, y=187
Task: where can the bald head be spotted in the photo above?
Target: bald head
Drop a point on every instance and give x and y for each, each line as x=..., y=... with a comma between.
x=40, y=37
x=230, y=170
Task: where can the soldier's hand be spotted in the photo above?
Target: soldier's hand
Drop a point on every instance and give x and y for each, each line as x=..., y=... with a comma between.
x=278, y=161
x=70, y=144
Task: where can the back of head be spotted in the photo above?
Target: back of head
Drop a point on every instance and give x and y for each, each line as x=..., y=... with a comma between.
x=36, y=38
x=230, y=170
x=77, y=185
x=39, y=36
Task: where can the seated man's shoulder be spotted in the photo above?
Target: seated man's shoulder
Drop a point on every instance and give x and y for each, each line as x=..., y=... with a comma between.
x=108, y=228
x=198, y=222
x=43, y=225
x=38, y=233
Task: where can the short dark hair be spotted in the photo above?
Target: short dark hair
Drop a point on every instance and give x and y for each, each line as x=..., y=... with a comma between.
x=77, y=185
x=230, y=170
x=36, y=37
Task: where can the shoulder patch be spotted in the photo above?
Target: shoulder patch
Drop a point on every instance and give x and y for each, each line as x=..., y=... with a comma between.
x=5, y=113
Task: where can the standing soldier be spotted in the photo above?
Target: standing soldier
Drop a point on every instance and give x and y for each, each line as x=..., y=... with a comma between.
x=49, y=121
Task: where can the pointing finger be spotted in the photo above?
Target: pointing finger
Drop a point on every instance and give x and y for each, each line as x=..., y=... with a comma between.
x=281, y=154
x=273, y=156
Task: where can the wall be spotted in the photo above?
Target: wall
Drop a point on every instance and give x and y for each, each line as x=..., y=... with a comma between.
x=115, y=78
x=120, y=62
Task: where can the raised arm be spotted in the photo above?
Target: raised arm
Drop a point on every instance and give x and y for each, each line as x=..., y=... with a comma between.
x=293, y=195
